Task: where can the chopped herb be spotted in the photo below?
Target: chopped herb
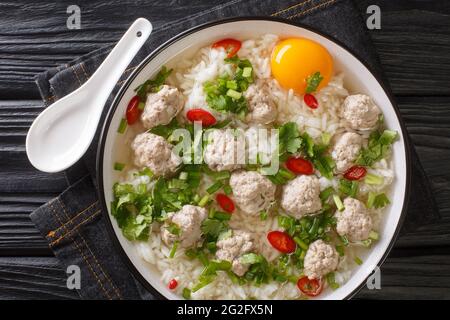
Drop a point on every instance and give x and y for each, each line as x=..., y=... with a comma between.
x=378, y=146
x=173, y=250
x=348, y=188
x=214, y=187
x=203, y=201
x=225, y=93
x=289, y=137
x=338, y=202
x=374, y=235
x=213, y=227
x=222, y=216
x=227, y=189
x=141, y=105
x=186, y=293
x=358, y=261
x=313, y=81
x=119, y=166
x=166, y=130
x=340, y=250
x=173, y=228
x=263, y=215
x=153, y=85
x=122, y=126
x=373, y=179
x=301, y=243
x=332, y=281
x=325, y=194
x=377, y=200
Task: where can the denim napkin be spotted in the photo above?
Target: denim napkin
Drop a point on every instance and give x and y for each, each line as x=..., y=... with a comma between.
x=73, y=223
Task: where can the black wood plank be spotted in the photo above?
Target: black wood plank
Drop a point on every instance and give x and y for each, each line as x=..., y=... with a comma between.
x=414, y=42
x=33, y=278
x=416, y=277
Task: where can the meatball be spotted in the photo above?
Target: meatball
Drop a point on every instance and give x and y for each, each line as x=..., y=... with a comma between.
x=359, y=112
x=188, y=223
x=233, y=248
x=155, y=153
x=301, y=196
x=355, y=221
x=261, y=106
x=345, y=150
x=221, y=151
x=252, y=191
x=161, y=107
x=320, y=259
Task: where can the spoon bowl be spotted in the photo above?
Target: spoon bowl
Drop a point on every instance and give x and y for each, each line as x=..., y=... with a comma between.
x=62, y=133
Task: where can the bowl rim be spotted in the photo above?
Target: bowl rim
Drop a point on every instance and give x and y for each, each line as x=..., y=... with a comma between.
x=125, y=86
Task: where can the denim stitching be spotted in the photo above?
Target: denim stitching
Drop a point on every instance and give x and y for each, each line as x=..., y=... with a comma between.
x=53, y=232
x=70, y=231
x=56, y=214
x=303, y=3
x=318, y=6
x=118, y=294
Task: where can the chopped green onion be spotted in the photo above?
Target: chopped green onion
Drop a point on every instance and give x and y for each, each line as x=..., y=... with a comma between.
x=373, y=179
x=141, y=105
x=263, y=215
x=221, y=175
x=325, y=194
x=387, y=137
x=222, y=216
x=374, y=235
x=183, y=175
x=203, y=201
x=301, y=243
x=358, y=261
x=340, y=250
x=286, y=174
x=173, y=250
x=367, y=243
x=247, y=72
x=214, y=187
x=344, y=240
x=122, y=126
x=338, y=202
x=227, y=189
x=119, y=166
x=234, y=94
x=232, y=84
x=186, y=293
x=326, y=137
x=332, y=281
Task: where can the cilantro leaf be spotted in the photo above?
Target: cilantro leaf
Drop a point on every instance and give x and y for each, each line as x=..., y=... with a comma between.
x=213, y=227
x=377, y=200
x=378, y=146
x=153, y=85
x=313, y=81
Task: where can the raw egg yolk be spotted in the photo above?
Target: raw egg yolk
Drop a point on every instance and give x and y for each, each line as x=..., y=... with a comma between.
x=295, y=59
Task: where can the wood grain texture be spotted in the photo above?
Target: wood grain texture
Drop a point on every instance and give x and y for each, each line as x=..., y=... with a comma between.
x=33, y=278
x=414, y=47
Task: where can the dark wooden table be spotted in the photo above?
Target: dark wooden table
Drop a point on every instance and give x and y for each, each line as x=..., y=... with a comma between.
x=414, y=46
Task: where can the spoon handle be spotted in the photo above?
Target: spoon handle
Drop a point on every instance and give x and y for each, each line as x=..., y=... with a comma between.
x=110, y=71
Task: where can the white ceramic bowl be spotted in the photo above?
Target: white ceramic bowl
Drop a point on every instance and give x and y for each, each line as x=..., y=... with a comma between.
x=358, y=78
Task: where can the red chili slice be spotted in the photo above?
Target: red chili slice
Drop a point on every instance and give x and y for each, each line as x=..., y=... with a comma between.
x=133, y=111
x=203, y=116
x=299, y=166
x=231, y=46
x=310, y=287
x=281, y=241
x=225, y=202
x=173, y=284
x=311, y=101
x=355, y=173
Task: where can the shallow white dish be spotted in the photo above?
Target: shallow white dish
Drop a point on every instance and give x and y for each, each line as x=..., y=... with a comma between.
x=358, y=79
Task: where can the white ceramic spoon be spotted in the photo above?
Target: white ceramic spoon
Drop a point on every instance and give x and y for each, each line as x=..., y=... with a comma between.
x=61, y=134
